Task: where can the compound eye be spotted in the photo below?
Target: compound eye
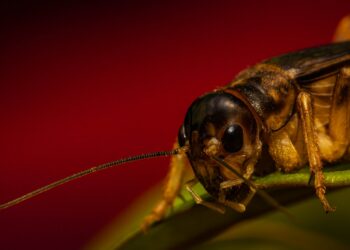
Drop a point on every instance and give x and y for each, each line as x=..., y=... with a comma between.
x=232, y=140
x=182, y=136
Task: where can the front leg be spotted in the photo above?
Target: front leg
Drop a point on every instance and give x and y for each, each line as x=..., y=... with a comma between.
x=306, y=115
x=178, y=165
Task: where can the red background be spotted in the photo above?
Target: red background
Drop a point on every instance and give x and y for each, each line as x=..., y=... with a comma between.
x=83, y=84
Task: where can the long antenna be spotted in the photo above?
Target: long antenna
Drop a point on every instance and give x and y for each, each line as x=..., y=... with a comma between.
x=87, y=172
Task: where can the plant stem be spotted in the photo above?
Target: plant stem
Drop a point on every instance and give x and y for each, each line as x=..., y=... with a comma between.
x=338, y=178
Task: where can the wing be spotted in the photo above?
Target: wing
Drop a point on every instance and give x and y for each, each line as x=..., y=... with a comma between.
x=316, y=63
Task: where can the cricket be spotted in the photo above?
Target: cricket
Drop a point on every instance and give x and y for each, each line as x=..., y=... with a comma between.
x=281, y=114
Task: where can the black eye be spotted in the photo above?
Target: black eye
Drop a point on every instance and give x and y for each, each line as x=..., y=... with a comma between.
x=232, y=140
x=181, y=137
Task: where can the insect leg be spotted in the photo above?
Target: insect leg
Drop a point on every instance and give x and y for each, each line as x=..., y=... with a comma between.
x=171, y=189
x=305, y=111
x=334, y=142
x=341, y=34
x=284, y=151
x=214, y=206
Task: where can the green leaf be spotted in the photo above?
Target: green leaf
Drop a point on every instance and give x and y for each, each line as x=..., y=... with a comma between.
x=191, y=225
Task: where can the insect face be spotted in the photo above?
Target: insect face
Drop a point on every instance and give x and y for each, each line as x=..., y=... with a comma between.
x=218, y=124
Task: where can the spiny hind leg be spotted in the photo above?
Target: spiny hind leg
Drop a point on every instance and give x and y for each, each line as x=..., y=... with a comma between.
x=212, y=205
x=304, y=105
x=178, y=166
x=334, y=142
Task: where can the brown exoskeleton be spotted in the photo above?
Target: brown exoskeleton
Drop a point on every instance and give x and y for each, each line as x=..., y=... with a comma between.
x=292, y=110
x=289, y=110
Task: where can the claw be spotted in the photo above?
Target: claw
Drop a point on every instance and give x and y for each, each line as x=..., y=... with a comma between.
x=320, y=192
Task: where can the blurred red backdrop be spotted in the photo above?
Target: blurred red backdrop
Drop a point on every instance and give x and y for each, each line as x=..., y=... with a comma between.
x=83, y=84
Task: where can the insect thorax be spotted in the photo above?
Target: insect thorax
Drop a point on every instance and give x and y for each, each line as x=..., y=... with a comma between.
x=270, y=91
